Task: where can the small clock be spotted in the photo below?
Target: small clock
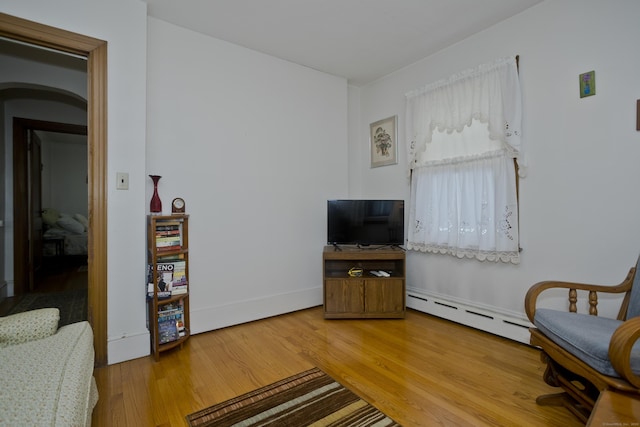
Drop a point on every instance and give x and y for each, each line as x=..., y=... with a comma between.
x=177, y=206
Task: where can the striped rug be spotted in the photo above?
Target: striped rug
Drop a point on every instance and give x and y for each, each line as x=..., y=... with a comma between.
x=310, y=398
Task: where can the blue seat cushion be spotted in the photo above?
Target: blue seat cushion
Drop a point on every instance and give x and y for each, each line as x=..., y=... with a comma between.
x=586, y=337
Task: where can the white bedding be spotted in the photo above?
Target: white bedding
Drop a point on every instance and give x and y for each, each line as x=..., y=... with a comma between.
x=71, y=228
x=74, y=244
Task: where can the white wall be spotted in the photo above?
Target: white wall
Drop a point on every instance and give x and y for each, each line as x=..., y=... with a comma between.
x=122, y=23
x=64, y=174
x=255, y=145
x=578, y=210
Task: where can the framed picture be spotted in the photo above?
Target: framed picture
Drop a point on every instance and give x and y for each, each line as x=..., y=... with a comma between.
x=383, y=138
x=587, y=84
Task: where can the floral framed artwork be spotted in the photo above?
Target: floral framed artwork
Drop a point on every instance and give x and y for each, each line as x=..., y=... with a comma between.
x=383, y=138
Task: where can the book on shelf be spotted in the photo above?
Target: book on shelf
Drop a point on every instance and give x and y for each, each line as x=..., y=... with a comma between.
x=164, y=240
x=169, y=248
x=168, y=241
x=168, y=230
x=170, y=312
x=171, y=258
x=167, y=233
x=168, y=224
x=172, y=246
x=171, y=279
x=166, y=245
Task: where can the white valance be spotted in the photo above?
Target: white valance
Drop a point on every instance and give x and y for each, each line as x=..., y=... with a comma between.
x=489, y=93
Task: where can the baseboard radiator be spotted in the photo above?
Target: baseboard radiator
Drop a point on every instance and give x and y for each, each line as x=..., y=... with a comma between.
x=486, y=319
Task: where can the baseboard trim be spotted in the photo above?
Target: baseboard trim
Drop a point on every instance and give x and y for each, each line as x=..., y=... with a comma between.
x=215, y=317
x=128, y=347
x=504, y=324
x=209, y=319
x=488, y=319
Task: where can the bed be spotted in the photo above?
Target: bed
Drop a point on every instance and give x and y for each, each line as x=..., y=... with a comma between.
x=64, y=234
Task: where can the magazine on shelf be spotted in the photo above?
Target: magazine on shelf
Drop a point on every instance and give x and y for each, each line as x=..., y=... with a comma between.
x=163, y=280
x=179, y=282
x=167, y=331
x=170, y=322
x=171, y=279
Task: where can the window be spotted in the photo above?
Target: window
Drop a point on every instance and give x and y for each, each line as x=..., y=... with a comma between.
x=465, y=133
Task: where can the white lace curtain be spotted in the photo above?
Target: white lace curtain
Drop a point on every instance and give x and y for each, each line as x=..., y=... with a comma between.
x=464, y=133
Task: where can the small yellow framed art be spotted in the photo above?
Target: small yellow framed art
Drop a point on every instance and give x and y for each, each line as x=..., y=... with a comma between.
x=587, y=84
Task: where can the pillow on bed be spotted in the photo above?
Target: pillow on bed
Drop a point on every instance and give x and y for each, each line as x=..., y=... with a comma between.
x=50, y=216
x=82, y=220
x=70, y=224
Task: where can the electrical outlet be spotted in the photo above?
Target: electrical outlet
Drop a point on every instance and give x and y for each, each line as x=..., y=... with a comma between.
x=122, y=179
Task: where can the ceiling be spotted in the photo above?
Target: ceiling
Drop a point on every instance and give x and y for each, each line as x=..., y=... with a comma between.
x=360, y=40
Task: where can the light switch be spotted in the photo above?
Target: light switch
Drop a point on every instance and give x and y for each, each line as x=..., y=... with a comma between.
x=122, y=181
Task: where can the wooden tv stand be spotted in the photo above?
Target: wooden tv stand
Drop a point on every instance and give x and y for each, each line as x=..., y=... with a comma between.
x=368, y=296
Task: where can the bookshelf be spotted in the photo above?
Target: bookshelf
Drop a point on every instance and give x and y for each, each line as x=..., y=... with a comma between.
x=167, y=286
x=367, y=296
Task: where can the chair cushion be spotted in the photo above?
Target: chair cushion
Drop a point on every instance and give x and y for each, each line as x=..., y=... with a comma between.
x=586, y=337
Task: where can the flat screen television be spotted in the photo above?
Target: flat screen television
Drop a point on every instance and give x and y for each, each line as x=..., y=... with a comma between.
x=365, y=222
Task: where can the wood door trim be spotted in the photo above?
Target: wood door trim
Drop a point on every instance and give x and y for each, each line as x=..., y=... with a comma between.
x=95, y=51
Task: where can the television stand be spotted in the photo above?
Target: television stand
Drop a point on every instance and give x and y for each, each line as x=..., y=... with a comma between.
x=366, y=296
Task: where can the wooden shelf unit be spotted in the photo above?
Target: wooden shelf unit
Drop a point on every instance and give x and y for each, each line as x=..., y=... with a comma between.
x=155, y=304
x=367, y=296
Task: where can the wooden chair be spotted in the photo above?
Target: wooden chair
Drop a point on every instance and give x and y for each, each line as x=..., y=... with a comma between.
x=586, y=354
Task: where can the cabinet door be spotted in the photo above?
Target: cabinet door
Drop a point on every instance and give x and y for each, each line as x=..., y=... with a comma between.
x=384, y=296
x=344, y=296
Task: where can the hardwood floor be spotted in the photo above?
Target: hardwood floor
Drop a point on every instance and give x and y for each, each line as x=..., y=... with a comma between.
x=421, y=371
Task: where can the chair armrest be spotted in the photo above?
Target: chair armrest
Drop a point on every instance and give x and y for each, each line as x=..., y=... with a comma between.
x=620, y=347
x=28, y=326
x=531, y=298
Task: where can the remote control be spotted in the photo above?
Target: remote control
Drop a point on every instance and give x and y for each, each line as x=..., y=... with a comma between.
x=383, y=273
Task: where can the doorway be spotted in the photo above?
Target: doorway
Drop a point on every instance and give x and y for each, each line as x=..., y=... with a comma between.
x=95, y=51
x=35, y=234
